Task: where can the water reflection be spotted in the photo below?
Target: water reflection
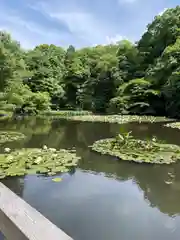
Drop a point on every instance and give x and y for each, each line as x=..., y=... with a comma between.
x=104, y=196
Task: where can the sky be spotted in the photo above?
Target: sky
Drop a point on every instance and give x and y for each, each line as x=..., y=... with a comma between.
x=79, y=23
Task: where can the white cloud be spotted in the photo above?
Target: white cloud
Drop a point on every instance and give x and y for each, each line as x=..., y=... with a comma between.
x=80, y=23
x=28, y=33
x=86, y=27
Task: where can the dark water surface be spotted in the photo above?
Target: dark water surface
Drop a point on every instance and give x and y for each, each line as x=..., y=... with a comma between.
x=103, y=199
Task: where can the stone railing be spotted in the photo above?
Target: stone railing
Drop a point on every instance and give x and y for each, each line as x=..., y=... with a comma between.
x=20, y=221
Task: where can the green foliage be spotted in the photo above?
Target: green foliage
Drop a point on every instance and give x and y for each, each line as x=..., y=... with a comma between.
x=64, y=113
x=123, y=78
x=30, y=161
x=10, y=136
x=20, y=95
x=173, y=125
x=46, y=62
x=134, y=97
x=126, y=148
x=38, y=101
x=120, y=119
x=122, y=139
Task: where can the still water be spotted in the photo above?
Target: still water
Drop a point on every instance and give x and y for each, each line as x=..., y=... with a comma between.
x=103, y=199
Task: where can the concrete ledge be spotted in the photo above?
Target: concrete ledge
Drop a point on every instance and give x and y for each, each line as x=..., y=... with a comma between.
x=20, y=221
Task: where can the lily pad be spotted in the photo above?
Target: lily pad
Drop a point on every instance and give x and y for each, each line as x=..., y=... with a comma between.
x=31, y=161
x=10, y=136
x=173, y=125
x=120, y=119
x=139, y=151
x=57, y=179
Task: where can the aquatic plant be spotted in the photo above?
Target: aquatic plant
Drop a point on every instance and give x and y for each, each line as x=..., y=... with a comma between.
x=120, y=119
x=129, y=149
x=10, y=136
x=63, y=114
x=31, y=161
x=57, y=179
x=173, y=125
x=121, y=139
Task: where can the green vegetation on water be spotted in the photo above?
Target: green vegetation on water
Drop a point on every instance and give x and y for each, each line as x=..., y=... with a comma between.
x=141, y=151
x=122, y=78
x=173, y=125
x=57, y=179
x=10, y=136
x=31, y=161
x=63, y=114
x=116, y=118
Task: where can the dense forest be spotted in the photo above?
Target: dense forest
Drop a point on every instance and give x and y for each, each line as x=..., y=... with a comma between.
x=124, y=78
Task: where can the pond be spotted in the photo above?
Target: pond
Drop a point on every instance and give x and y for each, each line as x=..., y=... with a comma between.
x=103, y=198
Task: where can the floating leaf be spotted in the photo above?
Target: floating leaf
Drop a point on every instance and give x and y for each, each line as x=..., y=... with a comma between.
x=10, y=137
x=31, y=161
x=173, y=125
x=129, y=149
x=57, y=179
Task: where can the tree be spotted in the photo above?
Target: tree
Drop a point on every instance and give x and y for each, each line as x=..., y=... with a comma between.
x=124, y=78
x=46, y=62
x=134, y=97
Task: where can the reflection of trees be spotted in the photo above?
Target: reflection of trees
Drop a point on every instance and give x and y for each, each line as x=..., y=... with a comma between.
x=52, y=138
x=29, y=126
x=81, y=135
x=160, y=184
x=16, y=184
x=148, y=130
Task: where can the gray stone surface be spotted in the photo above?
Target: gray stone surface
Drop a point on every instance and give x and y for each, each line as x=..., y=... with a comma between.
x=19, y=221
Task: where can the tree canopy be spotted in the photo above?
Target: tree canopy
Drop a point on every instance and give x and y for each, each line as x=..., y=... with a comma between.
x=123, y=78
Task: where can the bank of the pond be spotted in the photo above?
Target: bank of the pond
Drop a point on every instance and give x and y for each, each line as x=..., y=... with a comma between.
x=141, y=151
x=87, y=116
x=43, y=114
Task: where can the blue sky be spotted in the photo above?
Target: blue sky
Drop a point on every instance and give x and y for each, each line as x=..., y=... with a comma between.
x=78, y=22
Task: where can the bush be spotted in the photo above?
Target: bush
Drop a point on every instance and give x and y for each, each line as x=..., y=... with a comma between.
x=8, y=107
x=34, y=104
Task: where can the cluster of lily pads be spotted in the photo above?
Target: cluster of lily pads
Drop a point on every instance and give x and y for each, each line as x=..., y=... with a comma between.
x=63, y=114
x=125, y=147
x=31, y=161
x=173, y=125
x=10, y=136
x=120, y=119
